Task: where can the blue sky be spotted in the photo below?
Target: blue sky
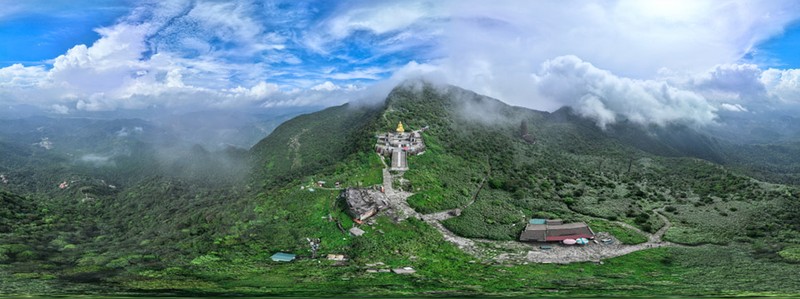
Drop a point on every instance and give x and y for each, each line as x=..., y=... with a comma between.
x=41, y=30
x=655, y=61
x=782, y=51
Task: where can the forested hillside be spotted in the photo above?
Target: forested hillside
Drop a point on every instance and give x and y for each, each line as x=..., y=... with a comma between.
x=573, y=169
x=312, y=142
x=190, y=227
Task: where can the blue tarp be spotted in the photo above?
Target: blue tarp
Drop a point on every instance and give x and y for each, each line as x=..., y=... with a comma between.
x=536, y=221
x=283, y=257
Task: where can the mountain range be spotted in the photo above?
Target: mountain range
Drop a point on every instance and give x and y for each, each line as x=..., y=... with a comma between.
x=148, y=210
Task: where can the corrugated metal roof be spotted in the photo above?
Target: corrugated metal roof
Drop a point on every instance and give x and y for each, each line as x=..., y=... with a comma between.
x=555, y=221
x=554, y=232
x=573, y=225
x=534, y=232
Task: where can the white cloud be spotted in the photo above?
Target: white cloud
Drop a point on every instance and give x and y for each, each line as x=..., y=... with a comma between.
x=373, y=73
x=263, y=89
x=733, y=107
x=174, y=79
x=600, y=94
x=736, y=86
x=493, y=47
x=132, y=65
x=105, y=65
x=593, y=107
x=259, y=91
x=379, y=18
x=732, y=83
x=327, y=85
x=649, y=61
x=737, y=78
x=375, y=17
x=19, y=76
x=784, y=84
x=59, y=109
x=10, y=9
x=232, y=22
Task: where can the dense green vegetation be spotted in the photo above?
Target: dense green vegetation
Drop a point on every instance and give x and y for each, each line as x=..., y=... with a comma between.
x=777, y=163
x=314, y=142
x=791, y=253
x=205, y=224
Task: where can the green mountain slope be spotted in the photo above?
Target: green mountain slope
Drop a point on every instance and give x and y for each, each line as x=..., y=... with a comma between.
x=566, y=167
x=16, y=213
x=498, y=165
x=573, y=169
x=130, y=197
x=312, y=142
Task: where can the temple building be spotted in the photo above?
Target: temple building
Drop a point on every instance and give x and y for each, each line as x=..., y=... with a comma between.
x=398, y=145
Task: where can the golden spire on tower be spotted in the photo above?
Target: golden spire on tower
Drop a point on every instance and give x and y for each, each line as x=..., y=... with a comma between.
x=400, y=127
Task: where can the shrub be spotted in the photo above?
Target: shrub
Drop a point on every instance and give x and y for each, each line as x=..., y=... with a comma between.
x=791, y=254
x=204, y=259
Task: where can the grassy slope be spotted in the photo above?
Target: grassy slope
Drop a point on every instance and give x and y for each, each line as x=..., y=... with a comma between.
x=573, y=171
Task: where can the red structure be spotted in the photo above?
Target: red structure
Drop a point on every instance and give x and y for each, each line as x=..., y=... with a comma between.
x=562, y=238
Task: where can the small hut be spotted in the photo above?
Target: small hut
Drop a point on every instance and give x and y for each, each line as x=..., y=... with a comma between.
x=283, y=257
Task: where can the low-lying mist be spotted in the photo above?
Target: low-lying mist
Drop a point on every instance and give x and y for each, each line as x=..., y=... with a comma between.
x=207, y=147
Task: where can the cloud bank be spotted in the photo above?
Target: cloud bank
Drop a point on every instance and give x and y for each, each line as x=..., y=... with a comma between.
x=601, y=95
x=651, y=62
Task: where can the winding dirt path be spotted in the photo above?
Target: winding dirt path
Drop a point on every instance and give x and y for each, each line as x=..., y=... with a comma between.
x=663, y=230
x=518, y=252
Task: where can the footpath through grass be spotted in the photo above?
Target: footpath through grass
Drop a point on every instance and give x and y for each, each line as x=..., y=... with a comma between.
x=623, y=234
